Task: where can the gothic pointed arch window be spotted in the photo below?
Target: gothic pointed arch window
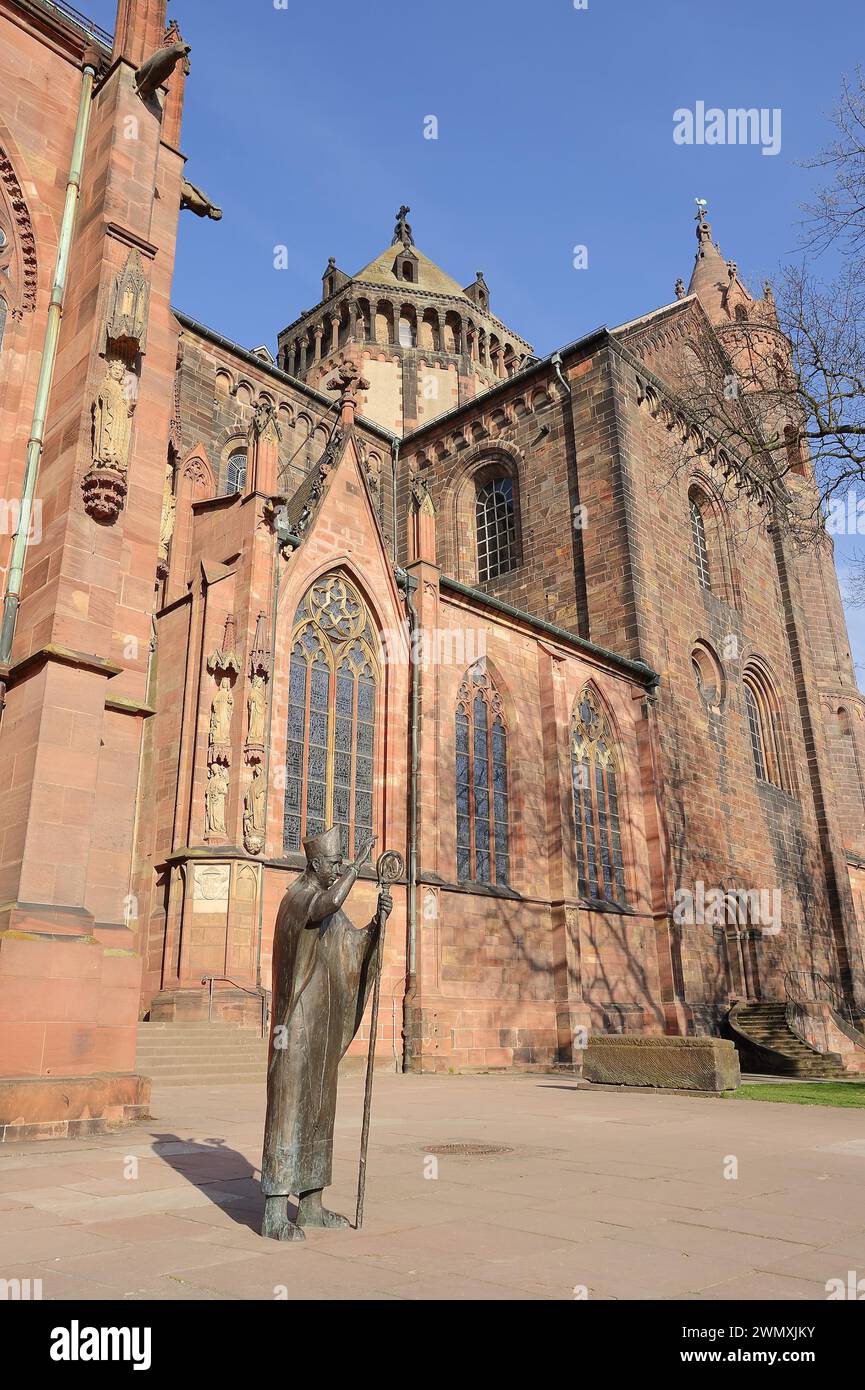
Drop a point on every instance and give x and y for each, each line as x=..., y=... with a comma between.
x=483, y=854
x=3, y=312
x=496, y=527
x=332, y=697
x=594, y=774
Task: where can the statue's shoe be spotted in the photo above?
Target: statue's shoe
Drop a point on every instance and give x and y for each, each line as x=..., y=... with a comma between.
x=331, y=1220
x=291, y=1232
x=275, y=1225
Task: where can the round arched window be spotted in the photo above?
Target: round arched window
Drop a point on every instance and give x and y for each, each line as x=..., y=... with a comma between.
x=236, y=477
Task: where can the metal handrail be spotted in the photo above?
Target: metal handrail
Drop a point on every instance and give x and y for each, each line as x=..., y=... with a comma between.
x=797, y=995
x=89, y=26
x=263, y=994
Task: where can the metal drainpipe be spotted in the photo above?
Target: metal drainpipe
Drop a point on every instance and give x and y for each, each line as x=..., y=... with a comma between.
x=394, y=544
x=281, y=536
x=12, y=595
x=556, y=361
x=404, y=581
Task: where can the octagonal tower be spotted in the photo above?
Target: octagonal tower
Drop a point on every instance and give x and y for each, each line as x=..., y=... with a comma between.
x=424, y=344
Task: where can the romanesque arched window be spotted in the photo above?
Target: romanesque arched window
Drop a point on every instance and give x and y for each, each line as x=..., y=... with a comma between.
x=481, y=781
x=698, y=539
x=600, y=868
x=496, y=527
x=236, y=471
x=332, y=689
x=763, y=713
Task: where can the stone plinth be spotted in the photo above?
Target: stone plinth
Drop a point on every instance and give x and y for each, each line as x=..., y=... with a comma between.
x=689, y=1064
x=48, y=1107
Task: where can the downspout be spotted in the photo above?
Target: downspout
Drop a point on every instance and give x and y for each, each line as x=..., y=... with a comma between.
x=396, y=444
x=408, y=583
x=12, y=595
x=556, y=361
x=283, y=539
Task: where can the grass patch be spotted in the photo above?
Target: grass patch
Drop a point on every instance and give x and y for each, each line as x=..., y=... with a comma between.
x=840, y=1093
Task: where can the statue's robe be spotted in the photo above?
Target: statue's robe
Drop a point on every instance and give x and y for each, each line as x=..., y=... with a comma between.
x=322, y=974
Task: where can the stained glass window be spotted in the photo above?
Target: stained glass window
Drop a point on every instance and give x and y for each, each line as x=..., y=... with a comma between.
x=600, y=867
x=331, y=717
x=495, y=520
x=2, y=315
x=483, y=854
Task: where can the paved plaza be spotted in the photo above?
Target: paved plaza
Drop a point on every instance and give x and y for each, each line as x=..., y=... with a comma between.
x=598, y=1194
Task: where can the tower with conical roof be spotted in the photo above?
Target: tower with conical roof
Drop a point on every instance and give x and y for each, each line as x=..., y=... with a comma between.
x=424, y=343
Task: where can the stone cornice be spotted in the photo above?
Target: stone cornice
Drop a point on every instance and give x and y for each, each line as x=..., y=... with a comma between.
x=64, y=656
x=675, y=415
x=120, y=705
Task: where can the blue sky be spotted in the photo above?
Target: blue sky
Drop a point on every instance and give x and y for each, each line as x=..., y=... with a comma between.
x=305, y=123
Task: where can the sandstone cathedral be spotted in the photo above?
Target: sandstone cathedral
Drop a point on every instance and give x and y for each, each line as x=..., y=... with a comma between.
x=406, y=577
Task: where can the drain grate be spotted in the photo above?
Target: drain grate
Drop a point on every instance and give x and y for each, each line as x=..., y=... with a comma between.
x=466, y=1150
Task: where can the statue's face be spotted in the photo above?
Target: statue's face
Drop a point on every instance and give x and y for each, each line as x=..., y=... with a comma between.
x=327, y=869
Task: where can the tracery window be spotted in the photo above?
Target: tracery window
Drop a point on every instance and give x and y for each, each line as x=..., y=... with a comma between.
x=600, y=867
x=332, y=687
x=495, y=521
x=701, y=549
x=236, y=475
x=481, y=781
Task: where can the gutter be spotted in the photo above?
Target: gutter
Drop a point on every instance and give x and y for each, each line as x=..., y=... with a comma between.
x=35, y=445
x=635, y=670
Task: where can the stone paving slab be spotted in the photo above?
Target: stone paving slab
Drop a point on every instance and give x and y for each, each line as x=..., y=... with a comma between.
x=622, y=1193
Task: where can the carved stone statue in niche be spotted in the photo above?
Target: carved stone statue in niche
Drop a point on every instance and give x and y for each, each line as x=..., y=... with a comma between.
x=216, y=795
x=254, y=810
x=256, y=695
x=256, y=704
x=166, y=524
x=112, y=420
x=221, y=710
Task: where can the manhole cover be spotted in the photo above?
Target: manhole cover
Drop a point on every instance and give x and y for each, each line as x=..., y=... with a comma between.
x=466, y=1150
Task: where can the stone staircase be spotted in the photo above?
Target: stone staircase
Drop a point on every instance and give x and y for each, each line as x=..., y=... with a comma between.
x=765, y=1025
x=190, y=1054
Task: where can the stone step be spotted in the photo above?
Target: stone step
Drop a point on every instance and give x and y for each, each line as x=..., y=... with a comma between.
x=183, y=1054
x=766, y=1025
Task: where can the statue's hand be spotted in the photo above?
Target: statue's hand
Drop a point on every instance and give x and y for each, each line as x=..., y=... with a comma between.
x=385, y=904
